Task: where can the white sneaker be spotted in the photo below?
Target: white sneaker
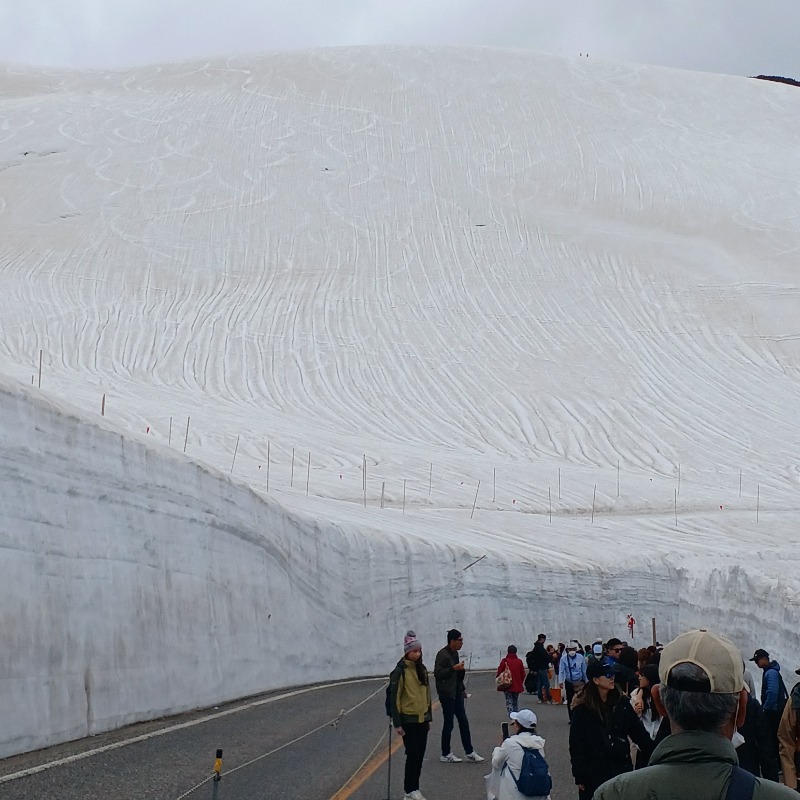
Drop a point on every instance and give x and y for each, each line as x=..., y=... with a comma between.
x=473, y=756
x=452, y=758
x=415, y=795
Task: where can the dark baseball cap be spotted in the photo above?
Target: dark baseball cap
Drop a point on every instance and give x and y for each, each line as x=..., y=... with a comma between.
x=760, y=654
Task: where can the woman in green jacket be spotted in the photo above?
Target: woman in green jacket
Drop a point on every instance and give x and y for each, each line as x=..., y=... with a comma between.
x=410, y=703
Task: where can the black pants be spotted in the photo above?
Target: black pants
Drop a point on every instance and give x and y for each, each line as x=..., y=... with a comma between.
x=569, y=686
x=453, y=708
x=773, y=721
x=415, y=740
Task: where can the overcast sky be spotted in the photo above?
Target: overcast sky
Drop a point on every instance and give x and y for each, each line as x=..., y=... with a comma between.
x=728, y=36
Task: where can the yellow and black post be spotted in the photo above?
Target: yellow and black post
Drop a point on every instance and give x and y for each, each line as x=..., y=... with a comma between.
x=217, y=775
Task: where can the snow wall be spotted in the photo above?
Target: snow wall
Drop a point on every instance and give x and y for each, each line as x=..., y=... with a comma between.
x=138, y=584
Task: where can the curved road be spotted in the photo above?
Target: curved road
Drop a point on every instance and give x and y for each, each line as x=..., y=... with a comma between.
x=326, y=742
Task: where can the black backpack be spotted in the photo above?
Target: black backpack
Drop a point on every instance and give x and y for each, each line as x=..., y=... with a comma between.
x=534, y=774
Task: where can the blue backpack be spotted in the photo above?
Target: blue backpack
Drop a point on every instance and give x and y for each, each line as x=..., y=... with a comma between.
x=534, y=774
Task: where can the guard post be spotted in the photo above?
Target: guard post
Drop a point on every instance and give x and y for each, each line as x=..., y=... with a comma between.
x=217, y=775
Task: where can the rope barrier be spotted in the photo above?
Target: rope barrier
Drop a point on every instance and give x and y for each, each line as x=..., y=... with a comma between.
x=334, y=722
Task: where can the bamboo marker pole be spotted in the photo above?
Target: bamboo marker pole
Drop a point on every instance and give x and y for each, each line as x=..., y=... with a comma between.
x=430, y=480
x=475, y=501
x=235, y=451
x=169, y=439
x=308, y=473
x=550, y=504
x=494, y=483
x=559, y=483
x=268, y=460
x=758, y=499
x=594, y=496
x=383, y=491
x=404, y=496
x=186, y=438
x=617, y=477
x=740, y=483
x=291, y=476
x=103, y=405
x=679, y=478
x=676, y=508
x=40, y=369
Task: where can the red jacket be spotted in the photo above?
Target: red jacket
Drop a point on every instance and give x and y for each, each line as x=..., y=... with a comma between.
x=517, y=669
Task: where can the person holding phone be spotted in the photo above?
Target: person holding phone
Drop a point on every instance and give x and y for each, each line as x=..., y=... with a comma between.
x=448, y=669
x=519, y=733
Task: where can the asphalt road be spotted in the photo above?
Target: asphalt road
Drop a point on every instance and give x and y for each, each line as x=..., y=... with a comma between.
x=317, y=743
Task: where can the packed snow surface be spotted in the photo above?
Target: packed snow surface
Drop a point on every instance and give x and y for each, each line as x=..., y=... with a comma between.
x=551, y=306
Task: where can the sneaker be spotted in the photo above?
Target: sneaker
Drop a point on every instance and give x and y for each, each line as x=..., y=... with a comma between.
x=473, y=756
x=451, y=758
x=415, y=795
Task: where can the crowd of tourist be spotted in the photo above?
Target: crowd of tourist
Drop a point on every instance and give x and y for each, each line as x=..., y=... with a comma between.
x=678, y=721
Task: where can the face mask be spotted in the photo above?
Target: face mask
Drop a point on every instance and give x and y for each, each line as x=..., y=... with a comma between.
x=737, y=739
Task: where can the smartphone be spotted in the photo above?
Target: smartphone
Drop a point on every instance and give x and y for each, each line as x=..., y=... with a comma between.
x=504, y=728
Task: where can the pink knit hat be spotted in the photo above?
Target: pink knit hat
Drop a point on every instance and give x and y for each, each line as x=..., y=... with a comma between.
x=410, y=642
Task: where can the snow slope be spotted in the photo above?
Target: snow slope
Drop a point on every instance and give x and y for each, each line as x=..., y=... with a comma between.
x=551, y=304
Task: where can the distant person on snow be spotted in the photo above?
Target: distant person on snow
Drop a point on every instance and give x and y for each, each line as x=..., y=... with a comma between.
x=410, y=704
x=449, y=673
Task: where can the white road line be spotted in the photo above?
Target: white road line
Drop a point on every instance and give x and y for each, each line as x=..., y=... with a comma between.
x=144, y=737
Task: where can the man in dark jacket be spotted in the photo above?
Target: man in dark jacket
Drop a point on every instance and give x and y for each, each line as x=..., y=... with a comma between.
x=539, y=663
x=448, y=670
x=773, y=692
x=702, y=692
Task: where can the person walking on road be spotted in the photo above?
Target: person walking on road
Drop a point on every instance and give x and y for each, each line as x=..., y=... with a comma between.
x=571, y=673
x=410, y=704
x=507, y=757
x=448, y=670
x=514, y=664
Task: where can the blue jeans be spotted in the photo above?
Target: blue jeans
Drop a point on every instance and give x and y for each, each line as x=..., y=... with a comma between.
x=452, y=709
x=543, y=689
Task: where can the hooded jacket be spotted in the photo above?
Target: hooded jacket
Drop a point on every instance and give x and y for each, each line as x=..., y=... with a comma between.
x=695, y=765
x=773, y=692
x=509, y=755
x=409, y=699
